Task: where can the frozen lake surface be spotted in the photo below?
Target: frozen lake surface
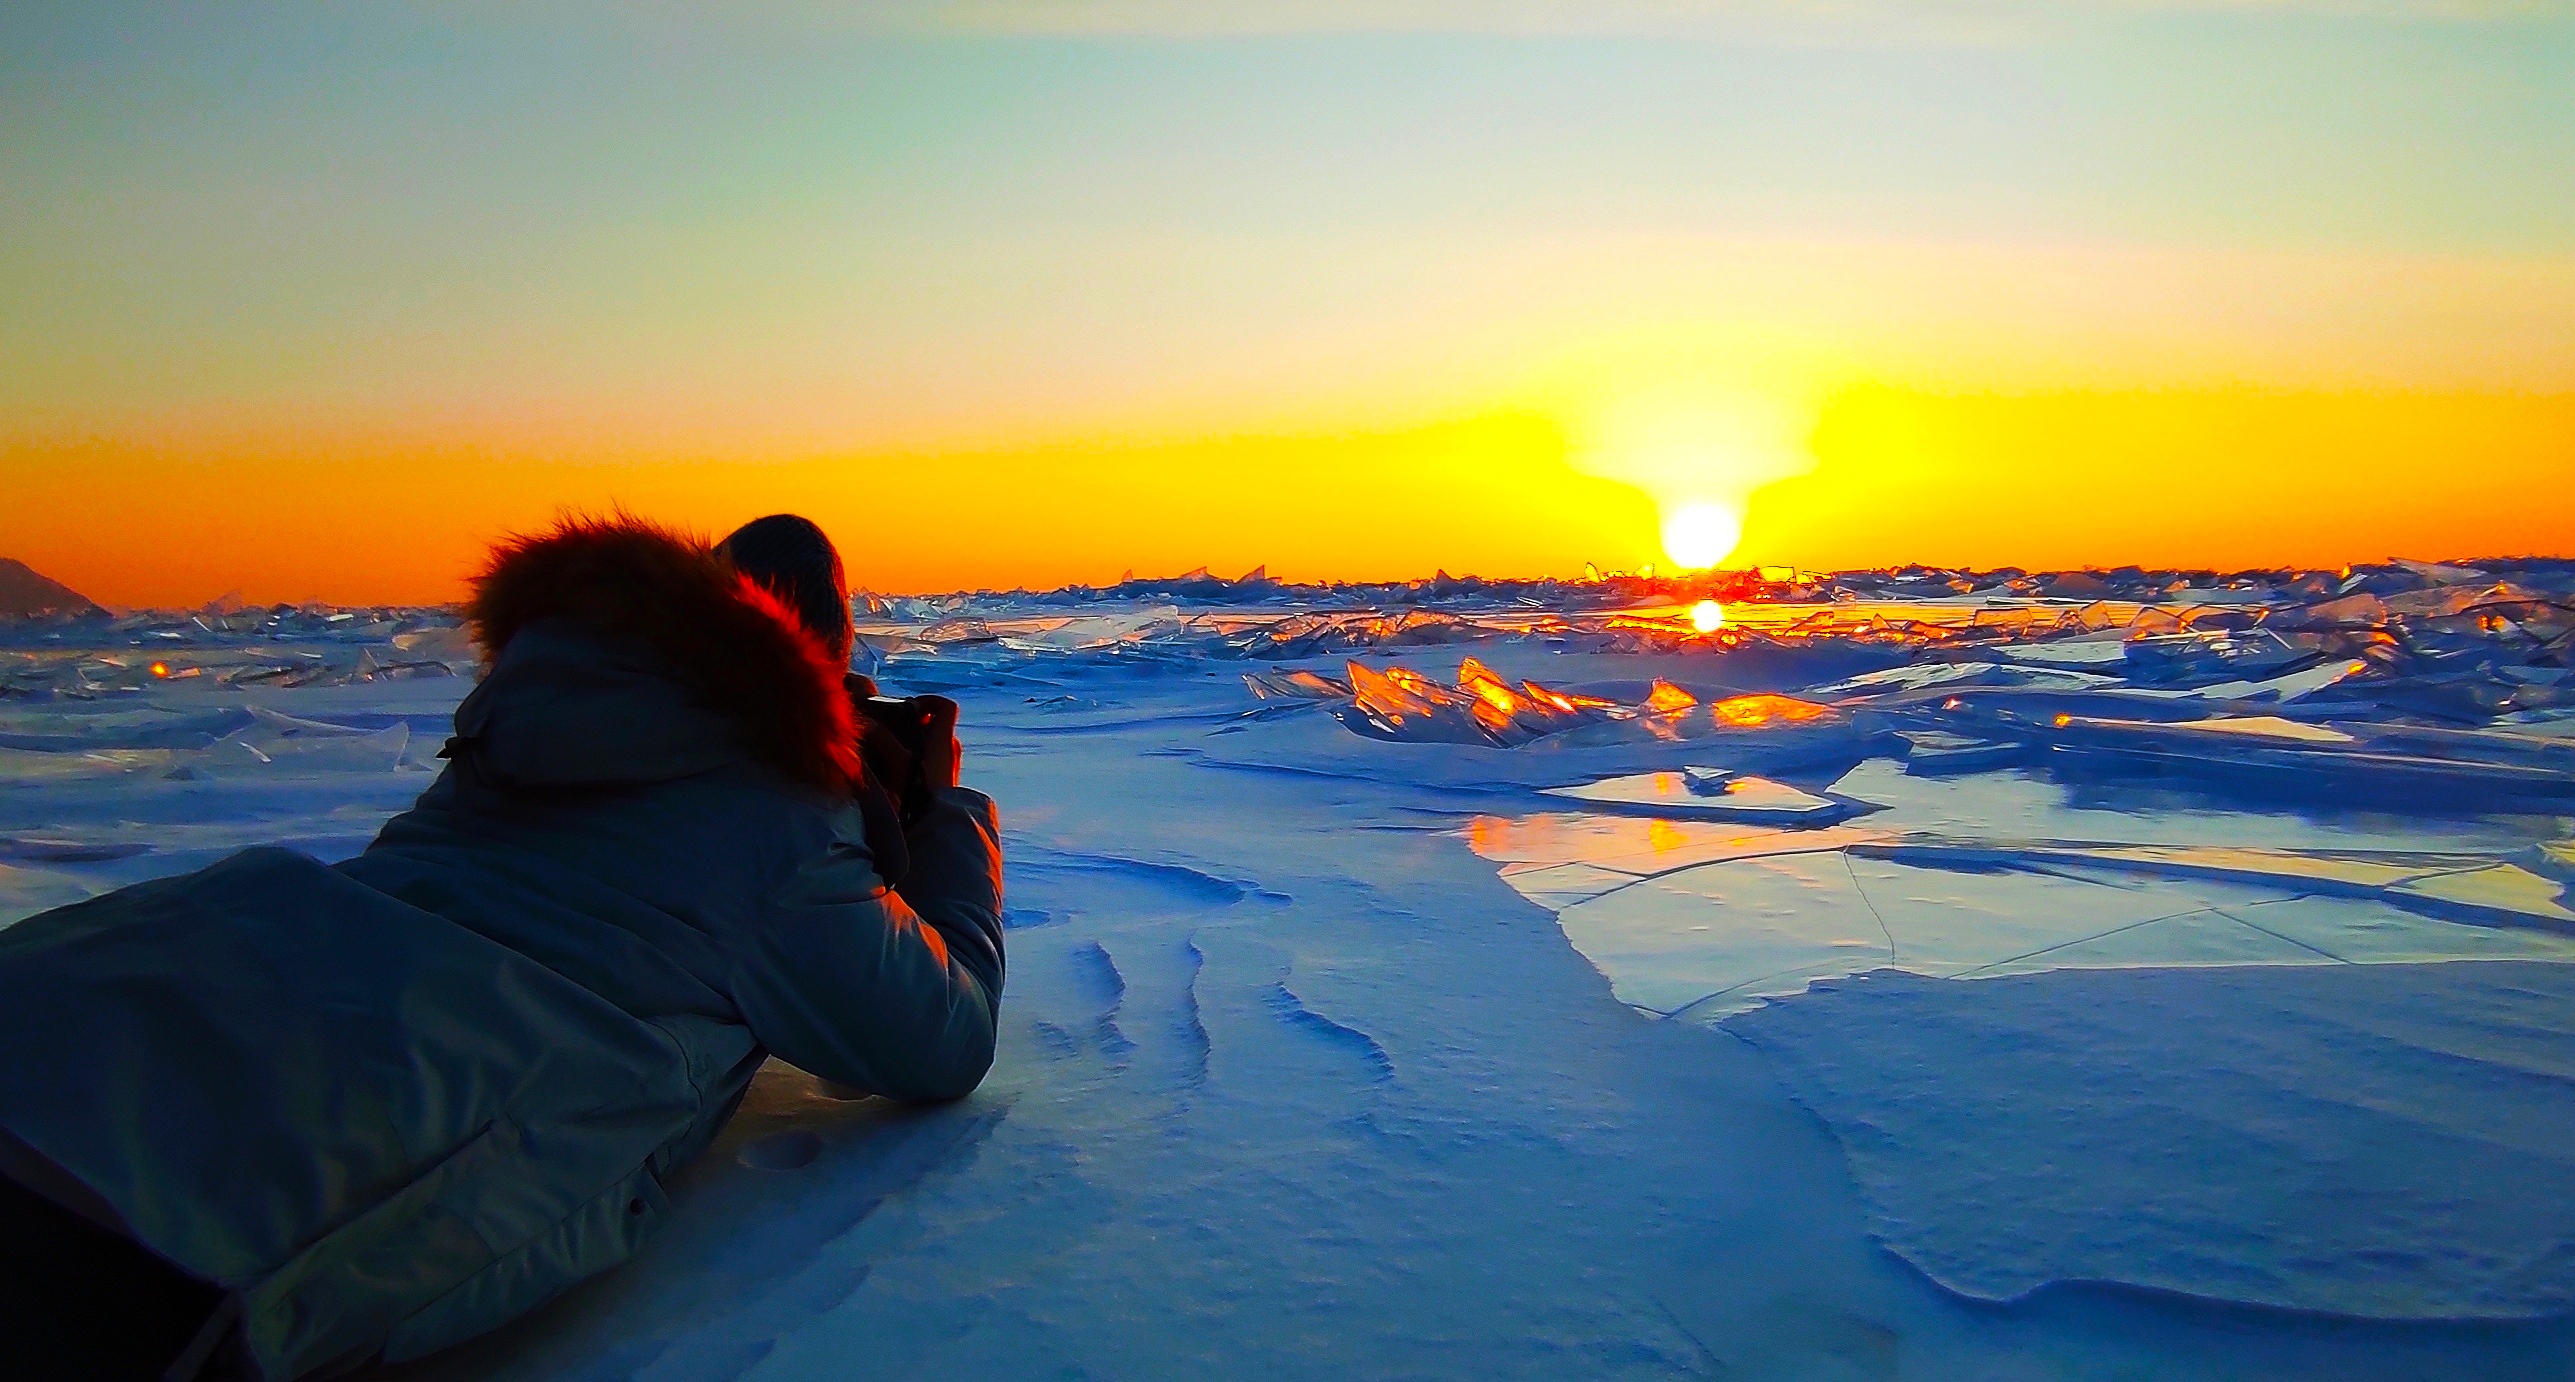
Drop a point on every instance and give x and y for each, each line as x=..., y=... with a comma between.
x=2144, y=982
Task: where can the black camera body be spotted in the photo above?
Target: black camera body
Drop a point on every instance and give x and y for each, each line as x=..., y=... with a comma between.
x=907, y=720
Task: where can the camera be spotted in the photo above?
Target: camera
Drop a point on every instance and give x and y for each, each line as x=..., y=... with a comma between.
x=895, y=736
x=908, y=720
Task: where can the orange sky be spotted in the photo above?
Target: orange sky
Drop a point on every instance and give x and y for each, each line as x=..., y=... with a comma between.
x=2195, y=478
x=2224, y=479
x=1491, y=496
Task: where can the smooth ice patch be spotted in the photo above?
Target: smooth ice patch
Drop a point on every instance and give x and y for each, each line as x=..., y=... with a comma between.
x=1708, y=939
x=1703, y=919
x=2392, y=1141
x=1729, y=933
x=1712, y=796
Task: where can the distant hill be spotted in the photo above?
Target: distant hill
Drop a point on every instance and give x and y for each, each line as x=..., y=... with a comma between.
x=25, y=591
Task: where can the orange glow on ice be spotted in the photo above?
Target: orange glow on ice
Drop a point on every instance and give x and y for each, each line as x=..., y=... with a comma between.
x=1669, y=699
x=1752, y=712
x=1495, y=704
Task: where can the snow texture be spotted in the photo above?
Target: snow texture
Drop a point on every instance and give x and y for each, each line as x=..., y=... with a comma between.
x=2392, y=1141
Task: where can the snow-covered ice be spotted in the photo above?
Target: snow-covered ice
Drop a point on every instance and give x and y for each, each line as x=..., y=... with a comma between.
x=1328, y=1052
x=2386, y=1141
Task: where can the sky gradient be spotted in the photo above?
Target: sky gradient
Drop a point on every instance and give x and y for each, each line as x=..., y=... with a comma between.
x=312, y=302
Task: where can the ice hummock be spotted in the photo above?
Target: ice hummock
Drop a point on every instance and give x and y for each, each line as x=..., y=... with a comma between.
x=1404, y=705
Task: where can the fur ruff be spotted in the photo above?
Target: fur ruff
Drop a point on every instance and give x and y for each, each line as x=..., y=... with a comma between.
x=741, y=650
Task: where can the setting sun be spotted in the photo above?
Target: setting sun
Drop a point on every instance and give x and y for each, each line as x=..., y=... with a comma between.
x=1697, y=536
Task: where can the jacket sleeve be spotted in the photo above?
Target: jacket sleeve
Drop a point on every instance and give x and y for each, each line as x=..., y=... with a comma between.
x=894, y=993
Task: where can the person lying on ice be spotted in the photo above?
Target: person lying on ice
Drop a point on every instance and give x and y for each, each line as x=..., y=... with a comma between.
x=278, y=1120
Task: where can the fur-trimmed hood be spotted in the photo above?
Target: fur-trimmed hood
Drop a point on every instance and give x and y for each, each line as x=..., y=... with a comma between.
x=735, y=648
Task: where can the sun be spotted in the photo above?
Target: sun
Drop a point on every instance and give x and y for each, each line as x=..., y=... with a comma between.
x=1699, y=534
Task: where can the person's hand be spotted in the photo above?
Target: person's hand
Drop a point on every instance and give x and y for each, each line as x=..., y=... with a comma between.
x=889, y=763
x=942, y=758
